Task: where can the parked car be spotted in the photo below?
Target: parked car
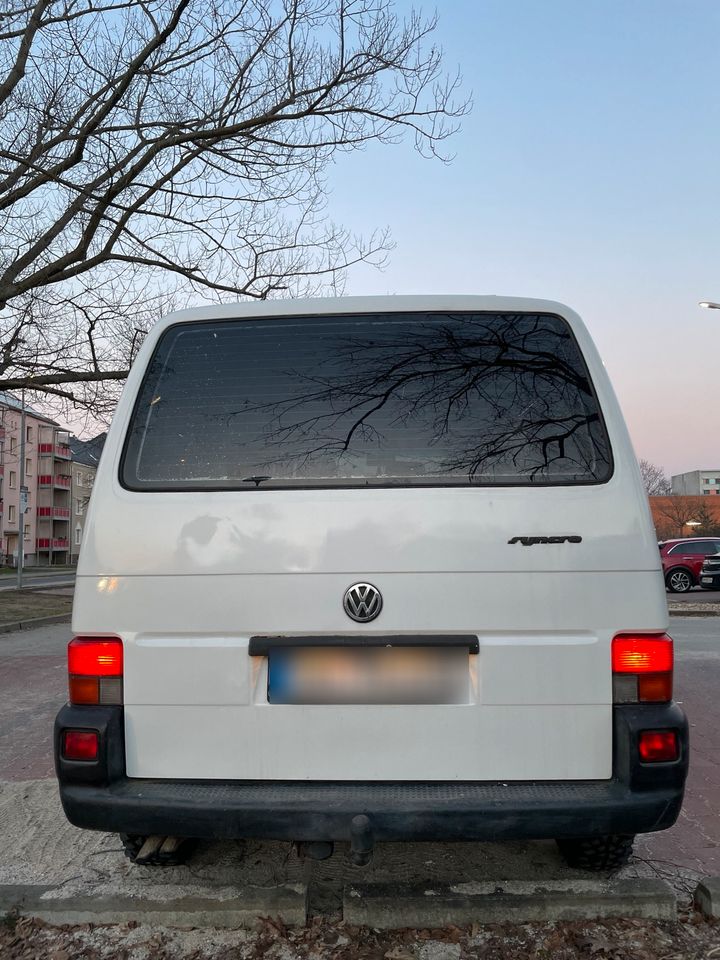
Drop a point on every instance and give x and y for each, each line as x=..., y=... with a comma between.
x=371, y=569
x=682, y=561
x=710, y=573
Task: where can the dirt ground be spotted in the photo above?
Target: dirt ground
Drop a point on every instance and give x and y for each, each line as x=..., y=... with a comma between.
x=28, y=604
x=689, y=939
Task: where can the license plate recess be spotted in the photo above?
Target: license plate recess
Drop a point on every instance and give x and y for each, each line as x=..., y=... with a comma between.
x=367, y=670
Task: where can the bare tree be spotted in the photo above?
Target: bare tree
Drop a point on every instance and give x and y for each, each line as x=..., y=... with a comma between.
x=654, y=479
x=155, y=151
x=708, y=523
x=681, y=516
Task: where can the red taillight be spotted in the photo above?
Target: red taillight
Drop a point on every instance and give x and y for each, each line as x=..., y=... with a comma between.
x=95, y=669
x=642, y=668
x=80, y=745
x=658, y=746
x=638, y=654
x=95, y=657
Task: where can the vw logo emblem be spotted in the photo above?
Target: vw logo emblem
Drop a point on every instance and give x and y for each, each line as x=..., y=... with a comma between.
x=362, y=602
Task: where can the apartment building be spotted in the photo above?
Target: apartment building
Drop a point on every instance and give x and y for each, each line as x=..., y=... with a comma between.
x=85, y=458
x=44, y=526
x=697, y=483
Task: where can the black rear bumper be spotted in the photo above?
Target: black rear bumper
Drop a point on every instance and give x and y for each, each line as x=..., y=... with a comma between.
x=639, y=798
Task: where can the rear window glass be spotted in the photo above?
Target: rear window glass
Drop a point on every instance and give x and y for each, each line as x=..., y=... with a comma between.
x=381, y=399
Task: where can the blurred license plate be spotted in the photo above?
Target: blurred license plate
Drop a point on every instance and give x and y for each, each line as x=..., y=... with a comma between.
x=705, y=579
x=368, y=675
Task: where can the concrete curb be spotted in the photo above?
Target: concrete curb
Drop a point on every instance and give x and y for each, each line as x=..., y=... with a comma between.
x=224, y=909
x=391, y=907
x=694, y=611
x=48, y=587
x=707, y=897
x=36, y=622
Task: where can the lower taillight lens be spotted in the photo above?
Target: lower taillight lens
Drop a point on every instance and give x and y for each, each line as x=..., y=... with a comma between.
x=655, y=688
x=80, y=745
x=658, y=746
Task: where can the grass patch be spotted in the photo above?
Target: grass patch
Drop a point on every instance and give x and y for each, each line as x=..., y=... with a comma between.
x=28, y=604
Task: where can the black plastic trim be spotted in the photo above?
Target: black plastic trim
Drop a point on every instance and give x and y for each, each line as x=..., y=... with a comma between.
x=260, y=646
x=110, y=763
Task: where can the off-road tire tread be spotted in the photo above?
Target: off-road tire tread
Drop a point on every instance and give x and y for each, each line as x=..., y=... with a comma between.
x=597, y=853
x=133, y=842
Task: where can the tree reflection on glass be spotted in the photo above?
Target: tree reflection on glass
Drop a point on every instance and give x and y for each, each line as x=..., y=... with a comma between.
x=392, y=398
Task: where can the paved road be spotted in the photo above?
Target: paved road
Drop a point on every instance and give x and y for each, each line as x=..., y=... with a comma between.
x=66, y=578
x=694, y=841
x=32, y=686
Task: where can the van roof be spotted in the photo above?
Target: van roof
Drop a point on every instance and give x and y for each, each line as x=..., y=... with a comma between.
x=389, y=304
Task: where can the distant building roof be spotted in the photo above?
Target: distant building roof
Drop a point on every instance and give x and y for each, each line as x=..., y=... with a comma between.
x=8, y=400
x=87, y=451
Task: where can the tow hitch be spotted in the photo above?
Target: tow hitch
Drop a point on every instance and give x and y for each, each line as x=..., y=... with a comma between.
x=361, y=840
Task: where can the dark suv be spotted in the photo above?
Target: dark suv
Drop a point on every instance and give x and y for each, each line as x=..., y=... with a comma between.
x=682, y=561
x=710, y=573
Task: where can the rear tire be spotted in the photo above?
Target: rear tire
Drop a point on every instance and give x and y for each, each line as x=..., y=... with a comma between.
x=679, y=581
x=133, y=843
x=597, y=853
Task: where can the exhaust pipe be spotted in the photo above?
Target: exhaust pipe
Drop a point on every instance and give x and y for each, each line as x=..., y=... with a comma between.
x=315, y=849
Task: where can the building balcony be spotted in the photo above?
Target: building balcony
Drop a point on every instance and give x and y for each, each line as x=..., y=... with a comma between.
x=52, y=543
x=58, y=480
x=53, y=513
x=60, y=451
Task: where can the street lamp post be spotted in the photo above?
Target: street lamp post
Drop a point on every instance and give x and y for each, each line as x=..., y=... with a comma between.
x=709, y=305
x=22, y=499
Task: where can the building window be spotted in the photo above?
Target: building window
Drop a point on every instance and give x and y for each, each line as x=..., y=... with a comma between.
x=12, y=513
x=28, y=466
x=79, y=507
x=13, y=444
x=29, y=434
x=78, y=535
x=12, y=482
x=26, y=532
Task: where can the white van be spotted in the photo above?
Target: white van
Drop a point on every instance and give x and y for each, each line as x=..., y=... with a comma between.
x=371, y=569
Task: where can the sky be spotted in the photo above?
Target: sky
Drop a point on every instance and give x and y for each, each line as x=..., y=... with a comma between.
x=587, y=172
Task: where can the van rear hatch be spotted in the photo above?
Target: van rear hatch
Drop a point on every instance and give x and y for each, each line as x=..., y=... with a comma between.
x=458, y=463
